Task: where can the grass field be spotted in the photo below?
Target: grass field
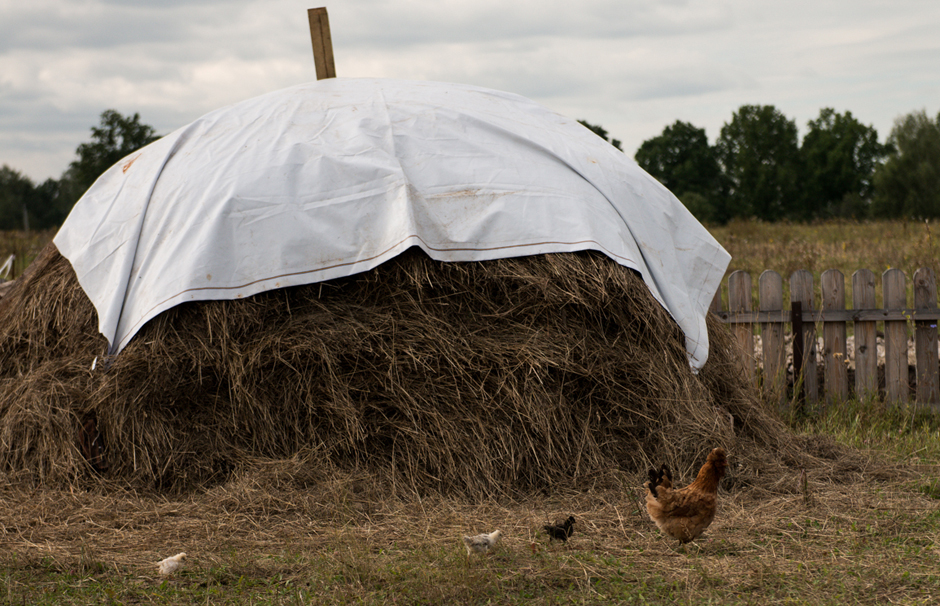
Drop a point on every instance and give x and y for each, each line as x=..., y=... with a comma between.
x=867, y=533
x=23, y=246
x=754, y=246
x=843, y=245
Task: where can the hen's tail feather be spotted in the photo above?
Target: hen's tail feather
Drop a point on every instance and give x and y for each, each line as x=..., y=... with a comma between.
x=662, y=477
x=656, y=479
x=665, y=477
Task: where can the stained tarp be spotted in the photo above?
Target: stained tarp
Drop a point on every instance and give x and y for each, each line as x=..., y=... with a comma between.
x=332, y=178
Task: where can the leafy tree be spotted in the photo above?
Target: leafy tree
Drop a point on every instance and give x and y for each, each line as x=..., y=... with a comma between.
x=113, y=139
x=840, y=155
x=682, y=160
x=908, y=183
x=601, y=132
x=71, y=187
x=26, y=206
x=702, y=208
x=50, y=207
x=760, y=158
x=16, y=193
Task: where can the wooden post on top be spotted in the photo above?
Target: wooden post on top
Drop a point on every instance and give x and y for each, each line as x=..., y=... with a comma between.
x=322, y=42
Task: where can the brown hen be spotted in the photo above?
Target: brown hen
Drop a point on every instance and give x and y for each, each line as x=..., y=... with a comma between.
x=685, y=513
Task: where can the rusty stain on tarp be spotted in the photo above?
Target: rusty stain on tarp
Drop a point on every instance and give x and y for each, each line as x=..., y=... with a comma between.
x=129, y=162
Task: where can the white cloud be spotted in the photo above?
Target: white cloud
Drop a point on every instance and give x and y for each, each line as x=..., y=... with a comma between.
x=633, y=67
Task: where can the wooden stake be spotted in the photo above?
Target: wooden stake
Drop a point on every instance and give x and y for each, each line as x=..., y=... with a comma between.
x=322, y=42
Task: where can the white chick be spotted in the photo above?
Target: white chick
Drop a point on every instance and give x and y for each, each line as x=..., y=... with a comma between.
x=171, y=564
x=482, y=542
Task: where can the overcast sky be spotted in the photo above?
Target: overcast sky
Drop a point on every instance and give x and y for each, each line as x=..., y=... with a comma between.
x=632, y=67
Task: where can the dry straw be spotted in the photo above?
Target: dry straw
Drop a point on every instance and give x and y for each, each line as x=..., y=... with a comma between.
x=503, y=377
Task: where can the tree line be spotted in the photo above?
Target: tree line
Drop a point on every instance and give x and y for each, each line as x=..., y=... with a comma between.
x=757, y=168
x=26, y=205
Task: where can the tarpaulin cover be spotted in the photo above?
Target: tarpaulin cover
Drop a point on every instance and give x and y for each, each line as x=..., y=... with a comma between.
x=332, y=178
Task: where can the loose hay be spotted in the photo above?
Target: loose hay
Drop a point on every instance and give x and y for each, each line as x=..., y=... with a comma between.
x=480, y=379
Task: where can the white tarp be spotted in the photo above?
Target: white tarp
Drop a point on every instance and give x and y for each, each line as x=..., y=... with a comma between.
x=333, y=178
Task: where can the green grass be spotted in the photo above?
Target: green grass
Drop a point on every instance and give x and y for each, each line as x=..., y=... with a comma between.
x=905, y=434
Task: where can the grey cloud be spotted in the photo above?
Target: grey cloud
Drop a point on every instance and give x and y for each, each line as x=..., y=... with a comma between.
x=633, y=66
x=679, y=84
x=103, y=27
x=384, y=25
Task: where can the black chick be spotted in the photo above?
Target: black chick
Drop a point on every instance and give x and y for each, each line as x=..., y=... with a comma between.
x=561, y=530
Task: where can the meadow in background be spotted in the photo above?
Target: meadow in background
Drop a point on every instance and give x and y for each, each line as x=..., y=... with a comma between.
x=847, y=246
x=755, y=246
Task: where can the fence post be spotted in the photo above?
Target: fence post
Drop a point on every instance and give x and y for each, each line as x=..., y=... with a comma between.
x=770, y=287
x=739, y=299
x=866, y=343
x=832, y=286
x=925, y=338
x=801, y=291
x=896, y=366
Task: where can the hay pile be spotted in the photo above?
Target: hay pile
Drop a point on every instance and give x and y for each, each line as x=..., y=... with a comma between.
x=479, y=379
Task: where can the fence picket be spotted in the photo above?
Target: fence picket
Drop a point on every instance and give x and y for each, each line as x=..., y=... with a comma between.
x=866, y=342
x=925, y=339
x=832, y=285
x=893, y=284
x=773, y=345
x=772, y=319
x=739, y=300
x=801, y=290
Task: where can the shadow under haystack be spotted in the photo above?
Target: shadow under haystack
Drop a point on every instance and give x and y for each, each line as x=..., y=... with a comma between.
x=487, y=378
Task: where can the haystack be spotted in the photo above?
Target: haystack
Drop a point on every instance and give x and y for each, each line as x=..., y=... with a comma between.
x=486, y=378
x=262, y=312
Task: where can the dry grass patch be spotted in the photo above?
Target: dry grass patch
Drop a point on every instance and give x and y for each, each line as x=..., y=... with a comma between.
x=24, y=246
x=844, y=245
x=867, y=534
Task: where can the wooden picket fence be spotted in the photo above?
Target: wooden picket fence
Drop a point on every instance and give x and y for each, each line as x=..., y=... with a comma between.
x=805, y=318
